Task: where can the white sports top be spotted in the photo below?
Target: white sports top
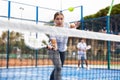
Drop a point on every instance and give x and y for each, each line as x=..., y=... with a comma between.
x=61, y=40
x=82, y=47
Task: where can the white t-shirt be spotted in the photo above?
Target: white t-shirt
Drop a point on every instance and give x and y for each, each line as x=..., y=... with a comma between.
x=82, y=47
x=61, y=40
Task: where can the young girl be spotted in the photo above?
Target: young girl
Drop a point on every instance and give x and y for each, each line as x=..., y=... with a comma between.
x=58, y=47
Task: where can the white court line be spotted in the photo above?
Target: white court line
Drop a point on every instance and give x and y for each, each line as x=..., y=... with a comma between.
x=98, y=66
x=91, y=66
x=28, y=66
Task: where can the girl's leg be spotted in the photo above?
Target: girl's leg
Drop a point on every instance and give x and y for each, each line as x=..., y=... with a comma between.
x=52, y=75
x=55, y=57
x=79, y=61
x=62, y=57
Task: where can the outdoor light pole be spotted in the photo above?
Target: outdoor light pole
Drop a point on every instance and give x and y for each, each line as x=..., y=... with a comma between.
x=21, y=9
x=60, y=5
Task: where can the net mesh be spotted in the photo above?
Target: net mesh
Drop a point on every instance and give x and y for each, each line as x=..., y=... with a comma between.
x=18, y=61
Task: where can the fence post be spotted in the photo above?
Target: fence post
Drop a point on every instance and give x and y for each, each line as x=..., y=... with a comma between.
x=82, y=19
x=7, y=45
x=108, y=42
x=36, y=37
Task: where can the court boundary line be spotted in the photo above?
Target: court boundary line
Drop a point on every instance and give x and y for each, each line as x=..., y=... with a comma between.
x=117, y=67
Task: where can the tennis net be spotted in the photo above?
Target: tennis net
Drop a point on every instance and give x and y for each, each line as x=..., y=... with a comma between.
x=19, y=61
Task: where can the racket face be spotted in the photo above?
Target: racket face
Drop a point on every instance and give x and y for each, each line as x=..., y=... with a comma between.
x=36, y=40
x=89, y=47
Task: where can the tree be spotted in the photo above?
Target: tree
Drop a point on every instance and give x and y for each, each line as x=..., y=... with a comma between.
x=103, y=12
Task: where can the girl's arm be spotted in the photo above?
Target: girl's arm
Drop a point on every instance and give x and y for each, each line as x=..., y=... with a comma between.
x=53, y=44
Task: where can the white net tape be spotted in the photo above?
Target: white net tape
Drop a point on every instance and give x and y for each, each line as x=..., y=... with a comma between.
x=23, y=27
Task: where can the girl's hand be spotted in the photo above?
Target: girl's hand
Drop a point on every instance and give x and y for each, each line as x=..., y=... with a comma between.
x=49, y=47
x=77, y=24
x=84, y=50
x=74, y=25
x=53, y=45
x=55, y=48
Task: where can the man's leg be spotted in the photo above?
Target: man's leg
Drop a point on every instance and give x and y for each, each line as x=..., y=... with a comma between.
x=85, y=57
x=79, y=58
x=82, y=61
x=79, y=63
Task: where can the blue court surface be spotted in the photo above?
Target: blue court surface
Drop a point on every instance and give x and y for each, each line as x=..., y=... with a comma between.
x=68, y=73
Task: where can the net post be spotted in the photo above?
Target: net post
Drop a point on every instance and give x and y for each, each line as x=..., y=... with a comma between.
x=7, y=45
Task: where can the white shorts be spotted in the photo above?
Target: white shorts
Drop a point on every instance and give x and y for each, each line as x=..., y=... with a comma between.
x=83, y=55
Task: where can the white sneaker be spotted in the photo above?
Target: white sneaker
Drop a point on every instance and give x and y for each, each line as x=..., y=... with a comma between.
x=78, y=68
x=88, y=68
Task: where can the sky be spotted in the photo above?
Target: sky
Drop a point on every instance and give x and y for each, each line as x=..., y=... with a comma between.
x=29, y=12
x=89, y=7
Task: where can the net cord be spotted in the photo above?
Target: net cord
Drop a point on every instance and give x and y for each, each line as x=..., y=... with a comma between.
x=51, y=30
